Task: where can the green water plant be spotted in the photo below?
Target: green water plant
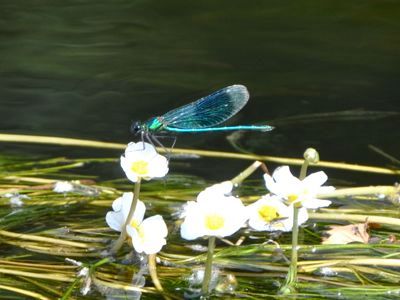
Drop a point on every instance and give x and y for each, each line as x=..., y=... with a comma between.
x=50, y=225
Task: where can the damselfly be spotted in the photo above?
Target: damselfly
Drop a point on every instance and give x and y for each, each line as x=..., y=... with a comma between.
x=201, y=115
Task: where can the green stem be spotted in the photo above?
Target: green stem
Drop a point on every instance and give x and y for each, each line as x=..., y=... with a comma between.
x=292, y=274
x=208, y=271
x=303, y=170
x=118, y=244
x=246, y=173
x=153, y=273
x=291, y=277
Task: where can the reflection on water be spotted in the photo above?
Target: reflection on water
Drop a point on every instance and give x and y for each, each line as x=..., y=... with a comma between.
x=87, y=68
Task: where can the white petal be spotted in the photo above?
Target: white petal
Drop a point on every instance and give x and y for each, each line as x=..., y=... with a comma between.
x=224, y=188
x=153, y=232
x=158, y=166
x=115, y=220
x=282, y=175
x=215, y=191
x=192, y=226
x=315, y=179
x=140, y=148
x=126, y=166
x=282, y=183
x=117, y=204
x=125, y=201
x=315, y=203
x=124, y=163
x=63, y=187
x=140, y=210
x=189, y=230
x=187, y=208
x=326, y=189
x=302, y=216
x=155, y=226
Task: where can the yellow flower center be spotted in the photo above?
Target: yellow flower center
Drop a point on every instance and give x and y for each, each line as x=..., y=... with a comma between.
x=138, y=228
x=292, y=198
x=134, y=224
x=214, y=222
x=141, y=232
x=268, y=213
x=140, y=167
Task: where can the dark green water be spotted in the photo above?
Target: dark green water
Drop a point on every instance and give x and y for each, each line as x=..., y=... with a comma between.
x=86, y=69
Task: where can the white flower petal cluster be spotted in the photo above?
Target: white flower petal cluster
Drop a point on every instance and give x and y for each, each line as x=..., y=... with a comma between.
x=142, y=160
x=270, y=214
x=224, y=188
x=213, y=214
x=292, y=190
x=63, y=187
x=148, y=235
x=121, y=206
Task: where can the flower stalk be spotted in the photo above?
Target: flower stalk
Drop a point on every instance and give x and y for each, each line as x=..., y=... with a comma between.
x=310, y=156
x=153, y=272
x=208, y=270
x=122, y=237
x=291, y=277
x=246, y=173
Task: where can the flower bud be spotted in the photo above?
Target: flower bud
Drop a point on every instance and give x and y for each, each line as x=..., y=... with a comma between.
x=311, y=156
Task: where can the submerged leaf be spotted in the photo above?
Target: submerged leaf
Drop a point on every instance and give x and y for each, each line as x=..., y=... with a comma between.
x=347, y=234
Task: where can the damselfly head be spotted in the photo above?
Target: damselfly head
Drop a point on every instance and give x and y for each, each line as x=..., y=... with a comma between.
x=136, y=127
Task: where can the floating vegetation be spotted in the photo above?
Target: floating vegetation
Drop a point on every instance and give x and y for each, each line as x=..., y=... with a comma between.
x=56, y=244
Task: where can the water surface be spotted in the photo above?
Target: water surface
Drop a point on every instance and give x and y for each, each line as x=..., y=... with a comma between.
x=86, y=69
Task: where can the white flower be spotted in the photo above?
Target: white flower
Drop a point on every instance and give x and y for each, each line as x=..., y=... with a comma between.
x=142, y=160
x=116, y=219
x=270, y=214
x=148, y=236
x=213, y=214
x=16, y=199
x=295, y=191
x=224, y=187
x=63, y=187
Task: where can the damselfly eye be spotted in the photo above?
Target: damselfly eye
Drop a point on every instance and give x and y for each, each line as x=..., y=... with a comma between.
x=136, y=127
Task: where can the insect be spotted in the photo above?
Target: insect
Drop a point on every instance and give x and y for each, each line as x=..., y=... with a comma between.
x=200, y=116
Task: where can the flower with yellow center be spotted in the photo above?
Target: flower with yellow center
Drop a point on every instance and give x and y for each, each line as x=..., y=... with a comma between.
x=140, y=167
x=302, y=193
x=141, y=160
x=148, y=236
x=116, y=219
x=270, y=214
x=214, y=222
x=213, y=214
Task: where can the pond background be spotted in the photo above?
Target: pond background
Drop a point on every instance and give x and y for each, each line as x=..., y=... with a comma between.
x=86, y=69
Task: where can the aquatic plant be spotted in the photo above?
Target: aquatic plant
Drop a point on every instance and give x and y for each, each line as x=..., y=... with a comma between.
x=54, y=242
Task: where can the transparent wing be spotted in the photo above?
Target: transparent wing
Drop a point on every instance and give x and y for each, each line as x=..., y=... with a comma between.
x=210, y=110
